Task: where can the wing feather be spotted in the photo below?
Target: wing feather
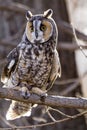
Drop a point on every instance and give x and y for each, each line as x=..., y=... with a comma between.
x=55, y=70
x=10, y=65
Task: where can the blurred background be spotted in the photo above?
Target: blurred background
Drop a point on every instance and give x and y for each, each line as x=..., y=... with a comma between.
x=74, y=71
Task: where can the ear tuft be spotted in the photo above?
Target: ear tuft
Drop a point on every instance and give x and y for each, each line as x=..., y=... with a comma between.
x=48, y=13
x=28, y=15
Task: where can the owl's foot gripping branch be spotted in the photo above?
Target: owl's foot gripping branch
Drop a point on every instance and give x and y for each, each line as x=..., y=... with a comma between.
x=50, y=100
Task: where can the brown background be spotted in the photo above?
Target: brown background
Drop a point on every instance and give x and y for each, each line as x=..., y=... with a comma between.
x=12, y=24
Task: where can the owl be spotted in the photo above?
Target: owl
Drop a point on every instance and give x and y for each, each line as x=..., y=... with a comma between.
x=34, y=65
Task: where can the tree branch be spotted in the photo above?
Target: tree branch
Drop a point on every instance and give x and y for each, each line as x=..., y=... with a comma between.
x=50, y=100
x=13, y=6
x=70, y=46
x=66, y=27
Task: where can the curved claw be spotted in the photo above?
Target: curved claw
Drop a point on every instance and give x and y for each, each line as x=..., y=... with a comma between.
x=25, y=92
x=43, y=96
x=40, y=93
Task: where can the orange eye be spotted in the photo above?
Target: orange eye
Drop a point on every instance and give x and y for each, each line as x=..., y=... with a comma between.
x=43, y=27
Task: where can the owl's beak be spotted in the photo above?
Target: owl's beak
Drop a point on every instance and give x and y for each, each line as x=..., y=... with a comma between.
x=36, y=33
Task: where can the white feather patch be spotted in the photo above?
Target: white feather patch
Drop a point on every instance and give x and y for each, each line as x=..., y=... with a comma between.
x=27, y=113
x=11, y=64
x=4, y=80
x=11, y=114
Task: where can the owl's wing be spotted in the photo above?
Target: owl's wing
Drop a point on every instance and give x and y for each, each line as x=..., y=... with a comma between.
x=55, y=70
x=10, y=66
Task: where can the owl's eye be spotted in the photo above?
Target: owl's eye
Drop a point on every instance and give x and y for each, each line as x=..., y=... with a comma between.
x=43, y=27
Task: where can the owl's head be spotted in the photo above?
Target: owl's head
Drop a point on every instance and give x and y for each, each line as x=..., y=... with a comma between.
x=41, y=27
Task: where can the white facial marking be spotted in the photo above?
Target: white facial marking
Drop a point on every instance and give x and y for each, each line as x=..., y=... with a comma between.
x=38, y=31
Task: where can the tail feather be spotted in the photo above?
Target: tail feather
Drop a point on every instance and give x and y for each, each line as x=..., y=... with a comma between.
x=18, y=109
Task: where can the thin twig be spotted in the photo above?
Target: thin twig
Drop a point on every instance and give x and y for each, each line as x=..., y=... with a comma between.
x=73, y=86
x=50, y=108
x=70, y=88
x=73, y=80
x=66, y=27
x=77, y=41
x=52, y=118
x=66, y=81
x=49, y=123
x=6, y=122
x=70, y=46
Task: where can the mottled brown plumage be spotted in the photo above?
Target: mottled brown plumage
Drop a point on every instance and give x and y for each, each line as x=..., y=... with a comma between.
x=34, y=64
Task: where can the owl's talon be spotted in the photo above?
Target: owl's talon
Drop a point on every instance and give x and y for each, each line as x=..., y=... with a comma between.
x=43, y=96
x=25, y=93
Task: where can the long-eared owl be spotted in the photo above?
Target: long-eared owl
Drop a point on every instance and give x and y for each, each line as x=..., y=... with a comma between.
x=34, y=65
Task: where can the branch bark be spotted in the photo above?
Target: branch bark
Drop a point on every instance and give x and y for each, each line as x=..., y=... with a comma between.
x=50, y=100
